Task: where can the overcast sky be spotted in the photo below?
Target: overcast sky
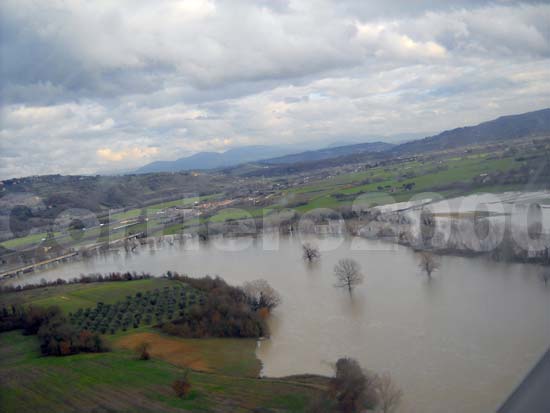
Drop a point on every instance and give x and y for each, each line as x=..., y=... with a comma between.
x=95, y=86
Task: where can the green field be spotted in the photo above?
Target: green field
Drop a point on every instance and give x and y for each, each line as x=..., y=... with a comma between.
x=223, y=372
x=426, y=178
x=133, y=213
x=176, y=228
x=26, y=240
x=117, y=381
x=32, y=239
x=236, y=213
x=227, y=356
x=71, y=297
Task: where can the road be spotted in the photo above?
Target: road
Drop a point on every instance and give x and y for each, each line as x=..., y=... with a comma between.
x=533, y=394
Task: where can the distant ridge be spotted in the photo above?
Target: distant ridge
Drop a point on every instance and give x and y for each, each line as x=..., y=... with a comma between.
x=525, y=125
x=213, y=160
x=331, y=152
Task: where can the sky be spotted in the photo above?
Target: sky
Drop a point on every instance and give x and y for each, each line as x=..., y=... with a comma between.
x=100, y=86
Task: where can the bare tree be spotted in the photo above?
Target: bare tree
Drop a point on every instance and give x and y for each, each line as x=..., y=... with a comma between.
x=142, y=350
x=260, y=294
x=348, y=274
x=310, y=252
x=352, y=388
x=545, y=276
x=428, y=263
x=427, y=226
x=389, y=395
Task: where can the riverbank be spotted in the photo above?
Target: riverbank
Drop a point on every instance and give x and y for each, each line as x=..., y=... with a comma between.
x=224, y=372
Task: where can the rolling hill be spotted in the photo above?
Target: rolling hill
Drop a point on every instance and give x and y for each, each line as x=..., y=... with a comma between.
x=525, y=125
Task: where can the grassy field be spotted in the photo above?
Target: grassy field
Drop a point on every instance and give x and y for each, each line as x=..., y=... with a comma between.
x=232, y=357
x=26, y=240
x=117, y=381
x=133, y=213
x=71, y=297
x=223, y=371
x=33, y=239
x=427, y=177
x=236, y=213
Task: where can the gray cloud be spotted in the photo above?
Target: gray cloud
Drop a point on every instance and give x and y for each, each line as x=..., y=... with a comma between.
x=102, y=86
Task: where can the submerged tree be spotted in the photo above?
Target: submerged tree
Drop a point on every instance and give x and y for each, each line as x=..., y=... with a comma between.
x=348, y=274
x=260, y=294
x=428, y=263
x=389, y=395
x=427, y=226
x=545, y=277
x=310, y=252
x=353, y=389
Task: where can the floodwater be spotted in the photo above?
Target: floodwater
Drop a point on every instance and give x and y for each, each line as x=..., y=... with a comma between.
x=458, y=342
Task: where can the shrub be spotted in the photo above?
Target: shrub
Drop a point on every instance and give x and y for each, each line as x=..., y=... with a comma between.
x=182, y=386
x=352, y=388
x=60, y=338
x=143, y=350
x=35, y=317
x=11, y=319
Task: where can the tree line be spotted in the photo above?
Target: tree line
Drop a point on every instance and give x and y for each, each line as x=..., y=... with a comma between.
x=56, y=335
x=83, y=279
x=225, y=310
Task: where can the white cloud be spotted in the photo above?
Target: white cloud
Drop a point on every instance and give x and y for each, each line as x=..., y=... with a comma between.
x=88, y=86
x=109, y=154
x=385, y=41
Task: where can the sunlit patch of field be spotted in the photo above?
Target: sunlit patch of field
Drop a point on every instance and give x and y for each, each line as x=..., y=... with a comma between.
x=226, y=356
x=172, y=350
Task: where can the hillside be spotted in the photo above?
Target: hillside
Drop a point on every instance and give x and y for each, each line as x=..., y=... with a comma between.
x=505, y=128
x=525, y=125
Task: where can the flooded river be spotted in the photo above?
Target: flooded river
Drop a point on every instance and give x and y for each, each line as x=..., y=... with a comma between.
x=459, y=342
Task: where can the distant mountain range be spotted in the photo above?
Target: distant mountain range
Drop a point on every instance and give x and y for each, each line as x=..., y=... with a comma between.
x=331, y=152
x=504, y=128
x=213, y=160
x=257, y=153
